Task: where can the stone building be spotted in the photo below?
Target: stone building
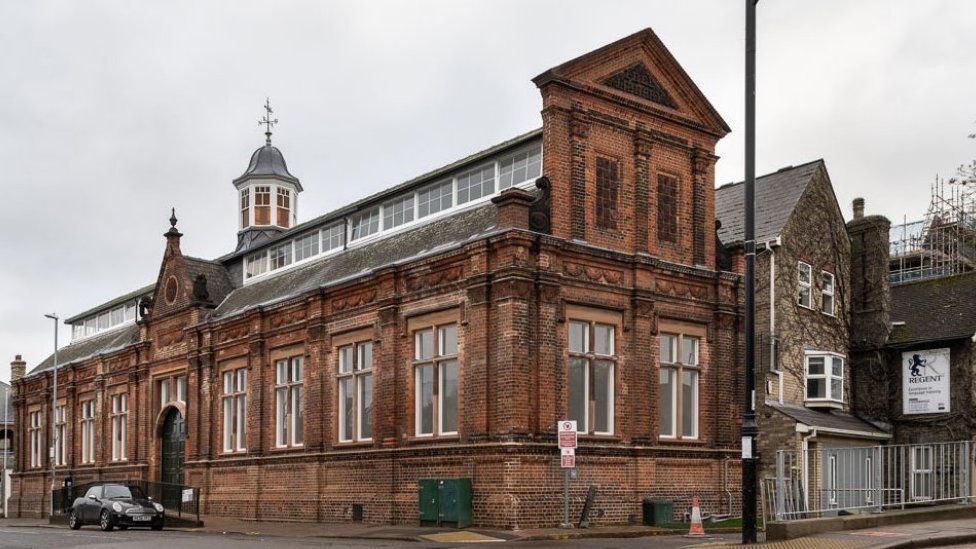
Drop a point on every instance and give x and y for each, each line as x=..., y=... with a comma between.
x=803, y=317
x=439, y=328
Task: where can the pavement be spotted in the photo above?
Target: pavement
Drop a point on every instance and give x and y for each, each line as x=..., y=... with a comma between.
x=19, y=532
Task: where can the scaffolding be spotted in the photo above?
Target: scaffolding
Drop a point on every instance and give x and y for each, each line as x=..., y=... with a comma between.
x=941, y=244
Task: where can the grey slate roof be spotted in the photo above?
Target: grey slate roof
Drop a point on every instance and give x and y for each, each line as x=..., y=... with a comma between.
x=5, y=396
x=268, y=161
x=833, y=419
x=90, y=346
x=776, y=197
x=219, y=282
x=937, y=309
x=434, y=237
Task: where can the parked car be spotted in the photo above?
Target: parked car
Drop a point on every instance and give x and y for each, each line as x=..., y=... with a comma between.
x=111, y=505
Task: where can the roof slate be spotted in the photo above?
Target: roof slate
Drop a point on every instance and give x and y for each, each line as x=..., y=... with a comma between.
x=219, y=282
x=776, y=196
x=90, y=346
x=937, y=309
x=434, y=237
x=833, y=419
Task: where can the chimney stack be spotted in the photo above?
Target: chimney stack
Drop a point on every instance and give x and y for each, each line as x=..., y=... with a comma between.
x=858, y=208
x=17, y=368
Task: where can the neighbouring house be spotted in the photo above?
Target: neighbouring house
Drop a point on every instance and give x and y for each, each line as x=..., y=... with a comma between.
x=803, y=327
x=7, y=433
x=437, y=329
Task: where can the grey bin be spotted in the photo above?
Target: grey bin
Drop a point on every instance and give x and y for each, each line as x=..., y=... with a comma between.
x=657, y=512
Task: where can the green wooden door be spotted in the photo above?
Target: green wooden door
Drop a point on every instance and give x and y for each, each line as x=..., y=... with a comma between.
x=171, y=474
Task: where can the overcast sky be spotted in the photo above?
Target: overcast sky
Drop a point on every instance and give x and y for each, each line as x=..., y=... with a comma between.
x=111, y=112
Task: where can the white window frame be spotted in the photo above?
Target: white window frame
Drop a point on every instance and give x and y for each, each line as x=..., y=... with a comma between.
x=36, y=442
x=438, y=360
x=119, y=415
x=290, y=400
x=234, y=400
x=808, y=285
x=591, y=356
x=826, y=294
x=87, y=419
x=356, y=373
x=676, y=364
x=828, y=376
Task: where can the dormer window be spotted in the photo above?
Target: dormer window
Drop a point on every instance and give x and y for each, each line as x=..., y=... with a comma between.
x=284, y=207
x=262, y=205
x=824, y=379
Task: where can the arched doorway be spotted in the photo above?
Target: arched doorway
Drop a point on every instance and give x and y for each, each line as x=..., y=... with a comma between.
x=171, y=464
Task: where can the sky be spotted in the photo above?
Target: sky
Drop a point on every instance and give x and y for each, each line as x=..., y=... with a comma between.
x=111, y=113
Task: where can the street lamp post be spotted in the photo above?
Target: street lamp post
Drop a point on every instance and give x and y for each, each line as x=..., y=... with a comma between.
x=52, y=453
x=750, y=428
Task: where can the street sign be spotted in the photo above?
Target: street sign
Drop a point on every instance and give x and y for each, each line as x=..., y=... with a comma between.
x=567, y=461
x=567, y=433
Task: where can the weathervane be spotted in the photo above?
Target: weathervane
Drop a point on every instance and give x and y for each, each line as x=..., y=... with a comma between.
x=267, y=120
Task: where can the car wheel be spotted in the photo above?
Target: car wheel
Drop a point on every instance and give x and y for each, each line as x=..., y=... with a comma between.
x=106, y=522
x=73, y=521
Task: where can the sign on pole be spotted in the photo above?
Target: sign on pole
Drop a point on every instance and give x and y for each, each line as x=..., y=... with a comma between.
x=568, y=458
x=925, y=381
x=567, y=433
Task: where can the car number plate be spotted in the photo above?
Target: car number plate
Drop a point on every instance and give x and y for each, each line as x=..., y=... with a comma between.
x=141, y=518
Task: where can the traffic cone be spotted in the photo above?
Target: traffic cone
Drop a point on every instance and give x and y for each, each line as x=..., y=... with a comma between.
x=696, y=530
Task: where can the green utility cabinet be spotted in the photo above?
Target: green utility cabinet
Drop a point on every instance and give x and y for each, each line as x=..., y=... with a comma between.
x=445, y=500
x=657, y=512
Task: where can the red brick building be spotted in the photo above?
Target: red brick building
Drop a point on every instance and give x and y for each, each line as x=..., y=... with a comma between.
x=439, y=328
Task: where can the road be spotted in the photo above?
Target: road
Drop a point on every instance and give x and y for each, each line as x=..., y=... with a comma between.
x=91, y=538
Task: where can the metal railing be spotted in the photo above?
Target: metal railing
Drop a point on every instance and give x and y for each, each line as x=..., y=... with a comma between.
x=181, y=503
x=826, y=481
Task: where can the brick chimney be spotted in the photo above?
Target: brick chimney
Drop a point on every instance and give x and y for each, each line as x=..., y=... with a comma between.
x=870, y=301
x=17, y=368
x=513, y=208
x=858, y=208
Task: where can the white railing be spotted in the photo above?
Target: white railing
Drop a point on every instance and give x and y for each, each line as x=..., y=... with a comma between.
x=825, y=481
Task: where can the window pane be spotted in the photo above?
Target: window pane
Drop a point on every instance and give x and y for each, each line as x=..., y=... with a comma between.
x=603, y=379
x=448, y=337
x=689, y=350
x=804, y=273
x=241, y=420
x=816, y=388
x=669, y=351
x=804, y=298
x=365, y=223
x=333, y=237
x=346, y=415
x=280, y=256
x=424, y=344
x=397, y=212
x=228, y=382
x=345, y=359
x=242, y=380
x=689, y=404
x=577, y=392
x=164, y=391
x=228, y=423
x=434, y=199
x=255, y=265
x=837, y=389
x=365, y=356
x=837, y=366
x=475, y=184
x=603, y=336
x=425, y=399
x=578, y=335
x=306, y=246
x=298, y=403
x=666, y=400
x=815, y=365
x=448, y=394
x=520, y=167
x=282, y=416
x=828, y=282
x=366, y=406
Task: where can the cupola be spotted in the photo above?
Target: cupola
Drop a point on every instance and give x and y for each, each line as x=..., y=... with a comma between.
x=267, y=192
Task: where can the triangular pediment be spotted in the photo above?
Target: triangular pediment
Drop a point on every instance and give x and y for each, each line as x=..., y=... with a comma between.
x=638, y=81
x=639, y=69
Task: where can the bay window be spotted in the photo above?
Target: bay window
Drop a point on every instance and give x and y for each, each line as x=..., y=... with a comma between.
x=290, y=402
x=824, y=378
x=355, y=381
x=590, y=380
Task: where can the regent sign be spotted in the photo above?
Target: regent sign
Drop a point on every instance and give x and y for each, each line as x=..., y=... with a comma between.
x=925, y=381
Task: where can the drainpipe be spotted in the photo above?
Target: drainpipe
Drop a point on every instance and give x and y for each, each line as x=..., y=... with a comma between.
x=771, y=247
x=805, y=449
x=725, y=481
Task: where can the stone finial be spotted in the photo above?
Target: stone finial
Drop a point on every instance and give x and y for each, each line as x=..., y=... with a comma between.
x=858, y=208
x=17, y=368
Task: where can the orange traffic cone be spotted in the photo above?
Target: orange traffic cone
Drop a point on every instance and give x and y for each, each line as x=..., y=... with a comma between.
x=696, y=530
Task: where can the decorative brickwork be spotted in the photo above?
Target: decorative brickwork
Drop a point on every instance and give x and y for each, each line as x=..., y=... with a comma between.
x=636, y=80
x=607, y=191
x=667, y=208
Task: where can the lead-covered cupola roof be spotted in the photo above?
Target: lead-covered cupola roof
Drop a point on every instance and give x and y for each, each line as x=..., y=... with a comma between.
x=267, y=161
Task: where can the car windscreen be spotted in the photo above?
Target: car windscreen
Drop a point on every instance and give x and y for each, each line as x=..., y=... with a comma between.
x=116, y=491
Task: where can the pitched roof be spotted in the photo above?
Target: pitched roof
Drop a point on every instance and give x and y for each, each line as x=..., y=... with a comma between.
x=219, y=282
x=936, y=309
x=5, y=397
x=776, y=196
x=832, y=419
x=435, y=237
x=77, y=351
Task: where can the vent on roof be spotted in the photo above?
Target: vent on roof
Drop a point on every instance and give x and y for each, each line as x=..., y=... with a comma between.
x=783, y=169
